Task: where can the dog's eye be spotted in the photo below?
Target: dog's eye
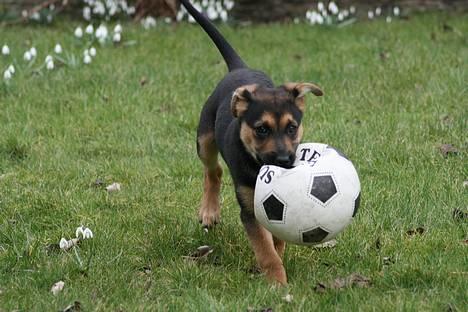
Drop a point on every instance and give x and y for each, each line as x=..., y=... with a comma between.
x=262, y=131
x=291, y=130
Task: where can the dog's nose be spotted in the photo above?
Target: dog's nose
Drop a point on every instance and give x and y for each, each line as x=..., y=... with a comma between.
x=283, y=160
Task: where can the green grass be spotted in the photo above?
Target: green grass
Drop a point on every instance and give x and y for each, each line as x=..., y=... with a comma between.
x=62, y=130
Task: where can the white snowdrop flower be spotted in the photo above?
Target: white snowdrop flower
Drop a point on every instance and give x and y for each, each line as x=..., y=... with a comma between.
x=11, y=69
x=57, y=287
x=212, y=13
x=396, y=11
x=320, y=7
x=131, y=10
x=345, y=13
x=35, y=16
x=308, y=15
x=7, y=75
x=112, y=10
x=27, y=56
x=113, y=187
x=102, y=33
x=118, y=28
x=79, y=232
x=223, y=15
x=352, y=9
x=389, y=19
x=87, y=59
x=180, y=15
x=116, y=38
x=341, y=16
x=33, y=51
x=78, y=32
x=87, y=13
x=63, y=244
x=48, y=58
x=87, y=234
x=296, y=20
x=92, y=51
x=378, y=11
x=58, y=49
x=50, y=65
x=191, y=19
x=89, y=29
x=370, y=14
x=319, y=19
x=52, y=7
x=5, y=50
x=229, y=5
x=99, y=8
x=332, y=7
x=167, y=20
x=24, y=13
x=204, y=3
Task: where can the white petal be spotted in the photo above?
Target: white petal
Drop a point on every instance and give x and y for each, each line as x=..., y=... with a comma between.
x=50, y=65
x=87, y=59
x=5, y=50
x=113, y=187
x=58, y=48
x=7, y=75
x=89, y=29
x=118, y=28
x=48, y=58
x=78, y=32
x=27, y=56
x=92, y=51
x=11, y=69
x=33, y=51
x=79, y=231
x=116, y=37
x=57, y=287
x=87, y=233
x=63, y=244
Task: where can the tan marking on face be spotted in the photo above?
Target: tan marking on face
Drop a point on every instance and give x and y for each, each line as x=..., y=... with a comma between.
x=267, y=120
x=285, y=120
x=247, y=136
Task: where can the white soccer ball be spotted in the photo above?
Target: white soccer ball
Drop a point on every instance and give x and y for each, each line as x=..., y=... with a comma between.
x=312, y=202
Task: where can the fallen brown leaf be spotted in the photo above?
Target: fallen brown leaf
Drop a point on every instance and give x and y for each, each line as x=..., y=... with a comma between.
x=143, y=81
x=419, y=230
x=200, y=253
x=75, y=307
x=355, y=279
x=448, y=150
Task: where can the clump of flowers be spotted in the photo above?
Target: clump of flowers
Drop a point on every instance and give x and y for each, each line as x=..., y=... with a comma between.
x=331, y=14
x=214, y=10
x=81, y=233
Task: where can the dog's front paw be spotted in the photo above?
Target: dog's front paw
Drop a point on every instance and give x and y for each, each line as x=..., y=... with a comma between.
x=208, y=217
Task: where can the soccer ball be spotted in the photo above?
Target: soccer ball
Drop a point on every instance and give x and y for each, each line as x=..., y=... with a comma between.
x=312, y=202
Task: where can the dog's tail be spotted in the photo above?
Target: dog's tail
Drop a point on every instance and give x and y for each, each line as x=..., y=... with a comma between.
x=230, y=56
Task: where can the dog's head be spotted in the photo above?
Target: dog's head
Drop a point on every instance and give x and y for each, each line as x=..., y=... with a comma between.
x=270, y=120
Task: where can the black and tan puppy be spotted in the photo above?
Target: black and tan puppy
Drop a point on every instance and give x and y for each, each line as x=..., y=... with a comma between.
x=251, y=123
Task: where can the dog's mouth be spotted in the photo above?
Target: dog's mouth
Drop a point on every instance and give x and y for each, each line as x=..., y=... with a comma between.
x=283, y=161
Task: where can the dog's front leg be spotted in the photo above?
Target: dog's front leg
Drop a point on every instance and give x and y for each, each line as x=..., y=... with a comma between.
x=261, y=240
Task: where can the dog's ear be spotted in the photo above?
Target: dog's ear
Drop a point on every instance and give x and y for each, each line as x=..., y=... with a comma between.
x=299, y=90
x=241, y=98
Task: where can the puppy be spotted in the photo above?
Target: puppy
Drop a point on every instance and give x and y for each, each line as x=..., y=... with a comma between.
x=251, y=123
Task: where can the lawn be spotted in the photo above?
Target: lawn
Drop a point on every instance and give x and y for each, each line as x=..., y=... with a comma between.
x=393, y=94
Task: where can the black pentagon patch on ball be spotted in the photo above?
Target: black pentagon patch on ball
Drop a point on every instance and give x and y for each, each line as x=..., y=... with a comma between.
x=357, y=202
x=314, y=236
x=323, y=188
x=274, y=208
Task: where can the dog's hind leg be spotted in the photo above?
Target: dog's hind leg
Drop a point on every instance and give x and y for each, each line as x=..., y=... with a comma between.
x=209, y=213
